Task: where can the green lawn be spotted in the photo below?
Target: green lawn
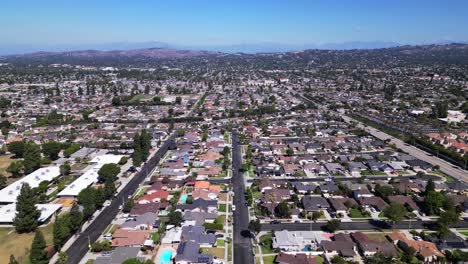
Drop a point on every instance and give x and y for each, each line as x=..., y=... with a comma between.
x=465, y=233
x=220, y=242
x=229, y=251
x=140, y=97
x=372, y=172
x=266, y=242
x=222, y=208
x=355, y=213
x=319, y=260
x=269, y=259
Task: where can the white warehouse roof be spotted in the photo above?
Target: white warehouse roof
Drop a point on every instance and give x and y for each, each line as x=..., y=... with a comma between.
x=9, y=193
x=90, y=176
x=8, y=212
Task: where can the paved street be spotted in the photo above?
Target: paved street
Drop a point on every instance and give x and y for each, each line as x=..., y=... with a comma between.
x=79, y=248
x=445, y=166
x=243, y=252
x=355, y=225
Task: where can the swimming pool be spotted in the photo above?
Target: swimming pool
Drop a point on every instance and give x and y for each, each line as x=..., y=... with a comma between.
x=183, y=198
x=307, y=248
x=166, y=256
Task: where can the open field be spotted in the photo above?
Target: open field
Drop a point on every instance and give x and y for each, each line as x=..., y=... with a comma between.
x=5, y=161
x=19, y=244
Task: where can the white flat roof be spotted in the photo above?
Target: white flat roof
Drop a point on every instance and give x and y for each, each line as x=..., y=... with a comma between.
x=108, y=158
x=90, y=176
x=8, y=212
x=9, y=193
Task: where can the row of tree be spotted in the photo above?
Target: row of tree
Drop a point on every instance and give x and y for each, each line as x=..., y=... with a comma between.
x=141, y=147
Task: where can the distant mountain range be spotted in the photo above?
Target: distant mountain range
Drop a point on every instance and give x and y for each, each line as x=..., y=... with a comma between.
x=264, y=47
x=144, y=52
x=304, y=57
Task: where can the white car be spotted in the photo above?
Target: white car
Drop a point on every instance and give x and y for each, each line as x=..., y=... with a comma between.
x=233, y=208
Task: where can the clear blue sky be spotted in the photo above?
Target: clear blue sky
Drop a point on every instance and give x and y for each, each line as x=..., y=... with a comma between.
x=232, y=22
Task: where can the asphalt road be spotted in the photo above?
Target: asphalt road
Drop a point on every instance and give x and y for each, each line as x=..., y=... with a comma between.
x=445, y=166
x=355, y=225
x=243, y=253
x=79, y=248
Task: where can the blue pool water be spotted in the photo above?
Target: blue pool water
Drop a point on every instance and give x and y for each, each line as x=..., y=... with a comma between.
x=166, y=256
x=183, y=198
x=307, y=248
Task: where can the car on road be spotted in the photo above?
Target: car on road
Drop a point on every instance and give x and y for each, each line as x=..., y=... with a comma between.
x=107, y=203
x=120, y=207
x=246, y=204
x=276, y=222
x=106, y=254
x=108, y=236
x=233, y=208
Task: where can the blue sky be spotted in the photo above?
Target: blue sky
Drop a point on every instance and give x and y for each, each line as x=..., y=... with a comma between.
x=232, y=22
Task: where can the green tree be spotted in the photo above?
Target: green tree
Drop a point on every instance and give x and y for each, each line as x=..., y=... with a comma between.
x=15, y=168
x=395, y=212
x=145, y=141
x=175, y=218
x=333, y=225
x=255, y=226
x=76, y=218
x=38, y=253
x=13, y=260
x=383, y=191
x=316, y=215
x=109, y=188
x=3, y=180
x=433, y=202
x=27, y=215
x=430, y=187
x=65, y=169
x=86, y=198
x=52, y=149
x=61, y=231
x=137, y=153
x=116, y=101
x=18, y=148
x=289, y=152
x=128, y=205
x=63, y=257
x=108, y=171
x=378, y=258
x=282, y=210
x=32, y=158
x=448, y=217
x=70, y=150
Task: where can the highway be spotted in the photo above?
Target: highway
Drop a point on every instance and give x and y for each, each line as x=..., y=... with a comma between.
x=445, y=166
x=79, y=248
x=243, y=252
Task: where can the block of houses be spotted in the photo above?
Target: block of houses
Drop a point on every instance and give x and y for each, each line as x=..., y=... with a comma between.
x=427, y=250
